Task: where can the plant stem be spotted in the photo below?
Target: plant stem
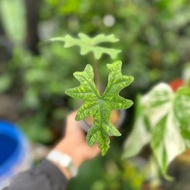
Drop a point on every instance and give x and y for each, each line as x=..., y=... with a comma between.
x=97, y=74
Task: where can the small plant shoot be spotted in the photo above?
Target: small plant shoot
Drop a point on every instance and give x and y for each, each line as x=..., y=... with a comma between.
x=96, y=105
x=100, y=106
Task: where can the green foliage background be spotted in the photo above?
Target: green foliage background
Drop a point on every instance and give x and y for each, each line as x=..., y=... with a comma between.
x=154, y=39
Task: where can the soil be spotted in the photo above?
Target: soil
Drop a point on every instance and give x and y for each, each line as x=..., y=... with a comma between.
x=114, y=118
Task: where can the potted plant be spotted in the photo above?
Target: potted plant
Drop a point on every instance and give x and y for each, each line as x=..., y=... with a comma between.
x=98, y=105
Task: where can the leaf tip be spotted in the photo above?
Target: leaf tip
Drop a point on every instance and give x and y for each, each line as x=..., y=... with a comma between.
x=67, y=92
x=103, y=153
x=132, y=78
x=77, y=117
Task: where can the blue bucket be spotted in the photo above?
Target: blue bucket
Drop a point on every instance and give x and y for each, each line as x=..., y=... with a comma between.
x=14, y=150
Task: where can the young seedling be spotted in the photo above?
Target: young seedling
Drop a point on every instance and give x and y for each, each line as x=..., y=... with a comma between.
x=96, y=105
x=87, y=45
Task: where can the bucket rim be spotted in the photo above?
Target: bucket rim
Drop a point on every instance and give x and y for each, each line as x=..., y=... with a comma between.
x=12, y=130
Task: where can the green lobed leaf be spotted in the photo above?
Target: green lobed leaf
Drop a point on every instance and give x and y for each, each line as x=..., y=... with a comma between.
x=100, y=106
x=88, y=44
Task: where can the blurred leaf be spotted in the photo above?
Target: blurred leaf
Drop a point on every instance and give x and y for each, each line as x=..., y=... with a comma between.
x=14, y=19
x=5, y=82
x=64, y=7
x=182, y=104
x=182, y=111
x=60, y=113
x=88, y=44
x=31, y=98
x=36, y=130
x=168, y=123
x=166, y=141
x=131, y=146
x=70, y=6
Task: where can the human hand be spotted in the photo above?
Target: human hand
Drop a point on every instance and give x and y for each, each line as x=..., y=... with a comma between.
x=74, y=142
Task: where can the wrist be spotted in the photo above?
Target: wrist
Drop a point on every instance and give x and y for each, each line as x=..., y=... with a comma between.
x=73, y=151
x=64, y=162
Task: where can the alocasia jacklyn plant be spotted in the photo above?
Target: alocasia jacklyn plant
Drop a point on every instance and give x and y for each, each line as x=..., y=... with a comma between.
x=96, y=105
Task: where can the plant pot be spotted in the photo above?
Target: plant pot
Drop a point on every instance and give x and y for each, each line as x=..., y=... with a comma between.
x=117, y=117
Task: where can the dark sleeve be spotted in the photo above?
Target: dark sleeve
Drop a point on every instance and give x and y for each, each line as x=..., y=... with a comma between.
x=44, y=177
